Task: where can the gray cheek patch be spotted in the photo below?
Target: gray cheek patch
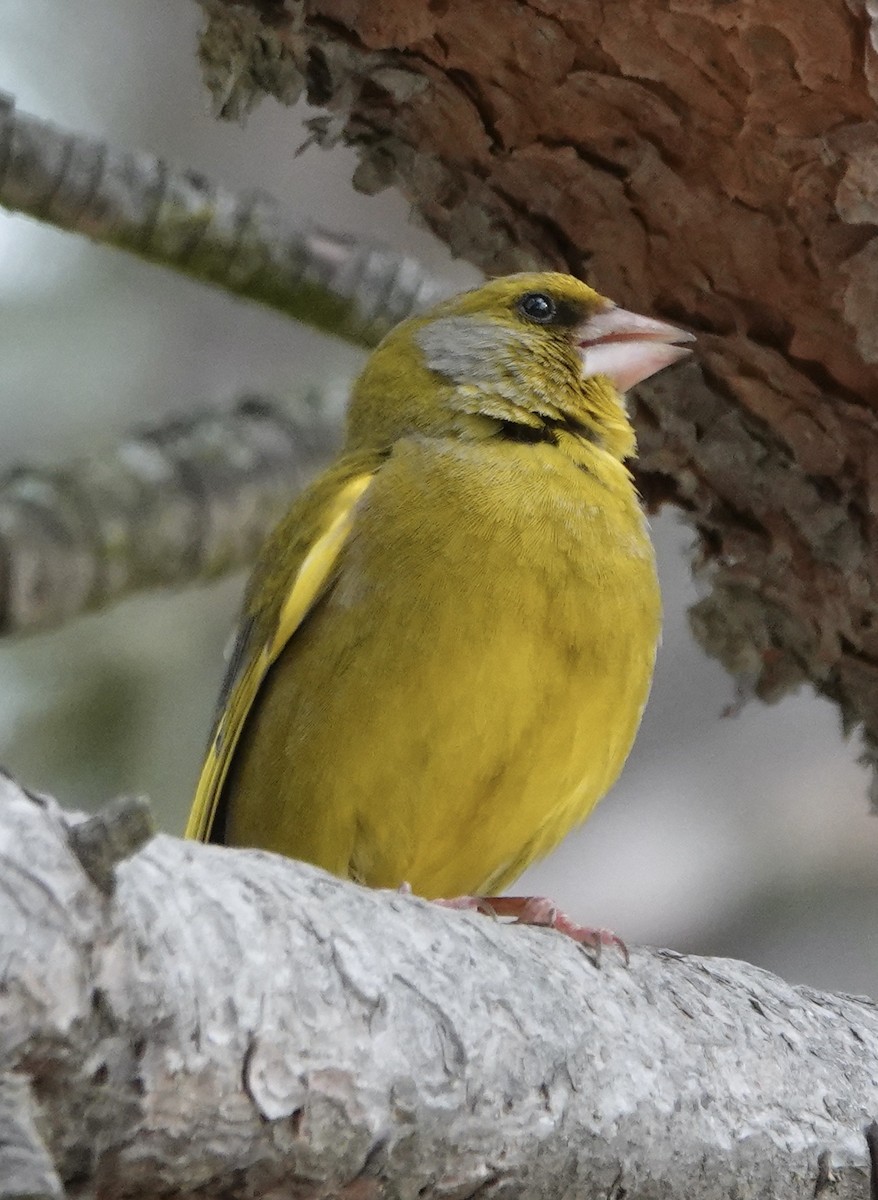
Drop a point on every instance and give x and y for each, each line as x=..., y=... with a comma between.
x=491, y=368
x=472, y=352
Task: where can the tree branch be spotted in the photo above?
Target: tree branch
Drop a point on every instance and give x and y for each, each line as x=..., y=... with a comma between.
x=26, y=1169
x=181, y=220
x=231, y=1023
x=184, y=502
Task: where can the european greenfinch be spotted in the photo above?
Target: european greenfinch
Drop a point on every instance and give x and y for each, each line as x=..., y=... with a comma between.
x=447, y=643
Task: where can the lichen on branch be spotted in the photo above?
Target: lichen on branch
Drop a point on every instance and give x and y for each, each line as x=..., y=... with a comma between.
x=234, y=1024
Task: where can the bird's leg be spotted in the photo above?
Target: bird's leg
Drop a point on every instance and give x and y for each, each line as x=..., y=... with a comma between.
x=539, y=910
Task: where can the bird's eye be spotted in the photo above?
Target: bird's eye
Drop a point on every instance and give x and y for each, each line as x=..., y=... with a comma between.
x=537, y=306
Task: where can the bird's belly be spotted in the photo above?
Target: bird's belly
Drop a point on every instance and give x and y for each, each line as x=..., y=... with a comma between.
x=454, y=749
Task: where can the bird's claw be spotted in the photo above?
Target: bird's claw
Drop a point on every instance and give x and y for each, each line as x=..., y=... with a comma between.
x=543, y=912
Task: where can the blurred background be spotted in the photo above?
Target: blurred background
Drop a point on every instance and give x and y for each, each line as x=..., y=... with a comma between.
x=745, y=836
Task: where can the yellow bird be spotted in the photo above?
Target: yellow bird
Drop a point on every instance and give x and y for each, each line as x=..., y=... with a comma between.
x=448, y=641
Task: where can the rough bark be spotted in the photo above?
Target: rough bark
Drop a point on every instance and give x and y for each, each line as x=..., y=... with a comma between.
x=713, y=163
x=207, y=1022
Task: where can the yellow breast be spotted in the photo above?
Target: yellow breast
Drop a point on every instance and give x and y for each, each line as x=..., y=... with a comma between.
x=471, y=683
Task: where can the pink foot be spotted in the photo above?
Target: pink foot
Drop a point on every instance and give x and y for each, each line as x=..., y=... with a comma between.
x=539, y=910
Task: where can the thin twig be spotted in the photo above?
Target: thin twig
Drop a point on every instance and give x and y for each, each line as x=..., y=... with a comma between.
x=241, y=242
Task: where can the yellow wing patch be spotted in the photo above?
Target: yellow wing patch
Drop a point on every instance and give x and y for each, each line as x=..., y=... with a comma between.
x=306, y=589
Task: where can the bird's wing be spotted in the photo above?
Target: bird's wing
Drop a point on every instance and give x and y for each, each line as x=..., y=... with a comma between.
x=260, y=641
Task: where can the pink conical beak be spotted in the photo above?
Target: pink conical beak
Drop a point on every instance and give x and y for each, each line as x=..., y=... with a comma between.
x=628, y=348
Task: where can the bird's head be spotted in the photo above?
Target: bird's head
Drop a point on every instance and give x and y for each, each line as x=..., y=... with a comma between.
x=528, y=354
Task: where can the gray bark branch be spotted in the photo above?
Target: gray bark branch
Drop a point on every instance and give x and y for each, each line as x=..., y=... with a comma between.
x=184, y=502
x=228, y=1024
x=178, y=219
